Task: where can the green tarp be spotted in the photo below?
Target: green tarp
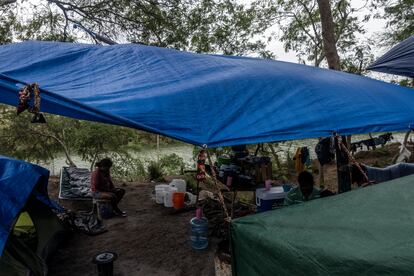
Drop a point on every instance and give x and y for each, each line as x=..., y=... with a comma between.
x=369, y=231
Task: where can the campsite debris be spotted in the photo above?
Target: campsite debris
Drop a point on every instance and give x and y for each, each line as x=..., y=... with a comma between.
x=105, y=263
x=86, y=223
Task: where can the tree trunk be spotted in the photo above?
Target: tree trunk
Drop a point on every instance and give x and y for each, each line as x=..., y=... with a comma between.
x=65, y=149
x=328, y=35
x=331, y=53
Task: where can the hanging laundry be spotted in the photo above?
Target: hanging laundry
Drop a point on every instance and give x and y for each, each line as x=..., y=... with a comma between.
x=325, y=151
x=305, y=156
x=298, y=160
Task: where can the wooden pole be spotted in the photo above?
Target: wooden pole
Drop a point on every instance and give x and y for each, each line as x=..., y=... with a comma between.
x=158, y=148
x=342, y=166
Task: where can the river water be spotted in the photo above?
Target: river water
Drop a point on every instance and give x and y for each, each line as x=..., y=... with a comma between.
x=185, y=151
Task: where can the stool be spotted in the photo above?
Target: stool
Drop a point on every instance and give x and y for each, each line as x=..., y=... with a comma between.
x=97, y=205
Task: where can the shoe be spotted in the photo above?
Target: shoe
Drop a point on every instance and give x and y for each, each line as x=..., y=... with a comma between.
x=120, y=214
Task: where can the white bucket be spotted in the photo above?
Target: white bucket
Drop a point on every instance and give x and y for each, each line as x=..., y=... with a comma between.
x=180, y=184
x=191, y=199
x=168, y=196
x=160, y=192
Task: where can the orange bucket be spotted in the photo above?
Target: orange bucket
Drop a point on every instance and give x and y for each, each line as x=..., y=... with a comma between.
x=178, y=200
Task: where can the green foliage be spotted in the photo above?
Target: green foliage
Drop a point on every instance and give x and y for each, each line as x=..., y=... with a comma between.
x=357, y=59
x=34, y=142
x=213, y=26
x=399, y=15
x=7, y=21
x=92, y=141
x=301, y=29
x=300, y=23
x=125, y=167
x=155, y=170
x=172, y=164
x=190, y=179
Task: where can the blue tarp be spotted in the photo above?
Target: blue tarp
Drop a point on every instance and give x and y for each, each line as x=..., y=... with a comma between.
x=17, y=180
x=398, y=61
x=202, y=99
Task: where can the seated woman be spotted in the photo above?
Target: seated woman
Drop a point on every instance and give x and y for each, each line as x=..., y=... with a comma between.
x=103, y=188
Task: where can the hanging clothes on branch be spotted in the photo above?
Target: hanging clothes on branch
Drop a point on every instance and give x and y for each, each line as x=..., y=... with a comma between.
x=302, y=159
x=325, y=151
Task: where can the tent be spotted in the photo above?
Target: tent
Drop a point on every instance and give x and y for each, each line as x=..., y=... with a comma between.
x=201, y=99
x=29, y=229
x=368, y=231
x=397, y=61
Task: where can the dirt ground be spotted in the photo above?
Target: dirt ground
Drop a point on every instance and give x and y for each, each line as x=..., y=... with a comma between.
x=150, y=241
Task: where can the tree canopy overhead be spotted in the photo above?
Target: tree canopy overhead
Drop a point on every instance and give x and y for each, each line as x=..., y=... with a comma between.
x=300, y=23
x=399, y=15
x=212, y=26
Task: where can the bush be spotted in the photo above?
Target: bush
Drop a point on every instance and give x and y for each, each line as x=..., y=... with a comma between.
x=172, y=164
x=127, y=168
x=155, y=170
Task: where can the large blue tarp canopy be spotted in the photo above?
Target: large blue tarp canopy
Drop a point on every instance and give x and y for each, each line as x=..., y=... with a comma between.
x=397, y=61
x=201, y=99
x=17, y=181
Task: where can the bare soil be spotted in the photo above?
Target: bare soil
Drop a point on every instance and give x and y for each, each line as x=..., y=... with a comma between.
x=150, y=241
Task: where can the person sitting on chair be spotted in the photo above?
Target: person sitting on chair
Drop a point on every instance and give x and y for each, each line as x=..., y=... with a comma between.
x=306, y=190
x=103, y=188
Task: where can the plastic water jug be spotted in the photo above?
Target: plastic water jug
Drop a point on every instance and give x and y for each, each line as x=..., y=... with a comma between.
x=199, y=231
x=168, y=196
x=180, y=184
x=160, y=192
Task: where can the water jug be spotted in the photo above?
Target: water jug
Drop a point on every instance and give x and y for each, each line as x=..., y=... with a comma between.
x=168, y=196
x=199, y=231
x=180, y=184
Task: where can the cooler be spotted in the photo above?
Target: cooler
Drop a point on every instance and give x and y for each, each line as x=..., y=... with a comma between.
x=267, y=199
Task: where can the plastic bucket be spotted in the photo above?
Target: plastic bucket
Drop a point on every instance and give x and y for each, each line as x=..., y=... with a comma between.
x=191, y=199
x=178, y=200
x=168, y=196
x=160, y=192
